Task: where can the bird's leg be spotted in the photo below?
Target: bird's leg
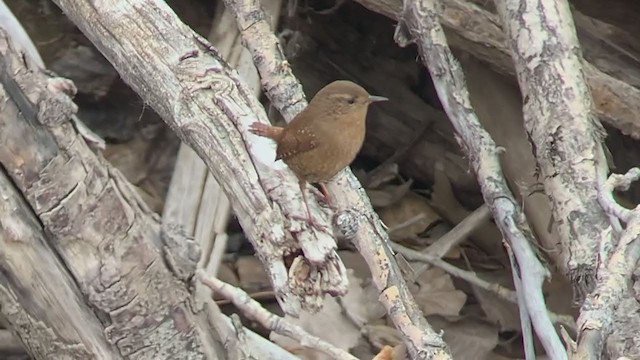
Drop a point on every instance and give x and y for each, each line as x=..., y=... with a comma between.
x=264, y=130
x=310, y=218
x=327, y=197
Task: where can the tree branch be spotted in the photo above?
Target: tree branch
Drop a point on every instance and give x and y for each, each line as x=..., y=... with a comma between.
x=420, y=25
x=97, y=226
x=597, y=315
x=357, y=221
x=479, y=32
x=210, y=108
x=565, y=134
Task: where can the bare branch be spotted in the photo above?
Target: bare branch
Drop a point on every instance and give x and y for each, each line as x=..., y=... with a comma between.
x=188, y=84
x=597, y=314
x=358, y=221
x=95, y=223
x=565, y=134
x=34, y=279
x=255, y=311
x=479, y=32
x=420, y=24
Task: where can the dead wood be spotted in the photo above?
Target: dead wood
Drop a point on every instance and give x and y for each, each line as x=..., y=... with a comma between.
x=566, y=137
x=420, y=25
x=355, y=219
x=38, y=296
x=101, y=234
x=478, y=31
x=210, y=108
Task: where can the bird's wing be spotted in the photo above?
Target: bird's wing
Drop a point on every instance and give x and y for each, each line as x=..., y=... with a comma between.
x=295, y=142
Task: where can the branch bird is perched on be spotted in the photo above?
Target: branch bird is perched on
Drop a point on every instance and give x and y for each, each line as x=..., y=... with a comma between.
x=325, y=137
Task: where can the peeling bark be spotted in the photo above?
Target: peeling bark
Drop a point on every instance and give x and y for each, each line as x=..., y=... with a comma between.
x=96, y=226
x=566, y=137
x=207, y=105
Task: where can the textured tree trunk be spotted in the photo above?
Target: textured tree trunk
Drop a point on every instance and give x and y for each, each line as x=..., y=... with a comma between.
x=87, y=271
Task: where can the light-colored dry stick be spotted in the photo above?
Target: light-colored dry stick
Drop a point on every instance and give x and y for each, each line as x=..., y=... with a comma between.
x=564, y=131
x=617, y=182
x=228, y=337
x=255, y=311
x=597, y=314
x=472, y=278
x=469, y=276
x=479, y=32
x=210, y=108
x=359, y=223
x=525, y=320
x=257, y=346
x=195, y=200
x=420, y=25
x=455, y=236
x=20, y=37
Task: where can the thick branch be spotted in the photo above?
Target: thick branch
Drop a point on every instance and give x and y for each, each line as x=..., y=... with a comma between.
x=565, y=134
x=479, y=32
x=358, y=221
x=420, y=25
x=597, y=315
x=33, y=279
x=208, y=106
x=98, y=227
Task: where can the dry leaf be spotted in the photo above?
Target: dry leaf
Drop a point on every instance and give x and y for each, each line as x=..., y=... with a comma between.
x=382, y=335
x=469, y=338
x=409, y=217
x=388, y=194
x=382, y=175
x=443, y=199
x=331, y=323
x=437, y=295
x=129, y=158
x=501, y=312
x=385, y=354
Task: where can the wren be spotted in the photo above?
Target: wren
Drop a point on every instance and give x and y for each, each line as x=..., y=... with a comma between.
x=324, y=138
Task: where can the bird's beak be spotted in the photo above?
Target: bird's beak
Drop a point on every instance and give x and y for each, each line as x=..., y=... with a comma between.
x=373, y=98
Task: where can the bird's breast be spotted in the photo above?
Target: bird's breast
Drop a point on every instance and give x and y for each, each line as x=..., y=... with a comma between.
x=335, y=151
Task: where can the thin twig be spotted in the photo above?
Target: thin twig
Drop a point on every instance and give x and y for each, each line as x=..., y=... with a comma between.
x=469, y=276
x=357, y=222
x=525, y=320
x=255, y=311
x=420, y=25
x=455, y=236
x=473, y=279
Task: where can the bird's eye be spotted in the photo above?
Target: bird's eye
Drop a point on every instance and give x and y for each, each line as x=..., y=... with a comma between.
x=351, y=101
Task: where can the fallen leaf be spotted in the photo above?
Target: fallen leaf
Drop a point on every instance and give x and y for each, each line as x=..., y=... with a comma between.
x=381, y=175
x=500, y=312
x=437, y=295
x=382, y=335
x=251, y=274
x=388, y=195
x=334, y=323
x=408, y=217
x=469, y=338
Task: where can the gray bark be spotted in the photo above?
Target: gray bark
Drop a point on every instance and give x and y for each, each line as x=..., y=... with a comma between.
x=101, y=235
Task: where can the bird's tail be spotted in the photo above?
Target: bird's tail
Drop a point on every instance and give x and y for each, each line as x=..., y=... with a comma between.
x=264, y=130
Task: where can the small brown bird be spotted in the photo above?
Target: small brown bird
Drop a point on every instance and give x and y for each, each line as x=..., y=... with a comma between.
x=325, y=137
